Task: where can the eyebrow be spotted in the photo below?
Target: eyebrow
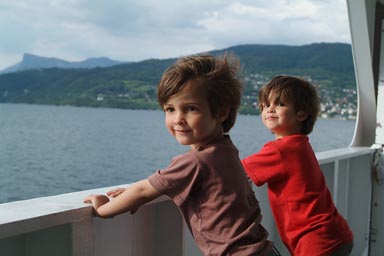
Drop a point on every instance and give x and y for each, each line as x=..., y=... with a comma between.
x=189, y=103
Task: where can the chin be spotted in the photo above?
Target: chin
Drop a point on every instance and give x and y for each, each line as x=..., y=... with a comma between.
x=184, y=143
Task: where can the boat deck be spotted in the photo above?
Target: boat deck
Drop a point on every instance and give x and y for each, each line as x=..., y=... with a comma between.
x=63, y=225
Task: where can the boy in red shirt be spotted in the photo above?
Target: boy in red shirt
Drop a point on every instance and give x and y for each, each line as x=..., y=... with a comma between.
x=305, y=215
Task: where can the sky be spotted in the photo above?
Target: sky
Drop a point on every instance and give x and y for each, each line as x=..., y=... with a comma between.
x=129, y=30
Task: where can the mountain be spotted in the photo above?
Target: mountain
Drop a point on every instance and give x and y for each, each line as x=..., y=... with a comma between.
x=31, y=61
x=133, y=85
x=320, y=61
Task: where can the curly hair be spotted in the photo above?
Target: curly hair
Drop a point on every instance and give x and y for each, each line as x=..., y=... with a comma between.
x=218, y=75
x=296, y=91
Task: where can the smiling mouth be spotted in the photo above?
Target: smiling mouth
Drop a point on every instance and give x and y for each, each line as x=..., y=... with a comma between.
x=182, y=131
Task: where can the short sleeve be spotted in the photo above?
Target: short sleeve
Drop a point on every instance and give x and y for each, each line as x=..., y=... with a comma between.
x=179, y=179
x=264, y=166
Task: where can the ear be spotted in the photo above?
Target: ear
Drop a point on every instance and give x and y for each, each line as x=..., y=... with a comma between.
x=224, y=115
x=301, y=116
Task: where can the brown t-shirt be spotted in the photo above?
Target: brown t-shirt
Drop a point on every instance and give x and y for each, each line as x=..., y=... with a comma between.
x=212, y=191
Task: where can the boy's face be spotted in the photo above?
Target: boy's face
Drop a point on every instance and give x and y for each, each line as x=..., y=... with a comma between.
x=188, y=116
x=281, y=118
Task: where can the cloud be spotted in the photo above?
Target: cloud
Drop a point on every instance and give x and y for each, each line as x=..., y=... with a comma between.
x=134, y=30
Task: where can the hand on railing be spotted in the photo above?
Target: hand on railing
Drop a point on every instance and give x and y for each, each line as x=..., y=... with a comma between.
x=115, y=192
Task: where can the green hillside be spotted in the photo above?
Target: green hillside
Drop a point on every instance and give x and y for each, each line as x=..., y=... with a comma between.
x=133, y=85
x=322, y=62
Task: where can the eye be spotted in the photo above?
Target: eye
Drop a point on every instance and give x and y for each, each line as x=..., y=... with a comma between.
x=191, y=108
x=169, y=109
x=266, y=105
x=280, y=104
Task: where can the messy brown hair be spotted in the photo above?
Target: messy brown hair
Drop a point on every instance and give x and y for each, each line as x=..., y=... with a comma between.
x=296, y=91
x=219, y=77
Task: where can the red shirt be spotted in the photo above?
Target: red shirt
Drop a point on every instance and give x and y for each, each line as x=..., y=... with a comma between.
x=305, y=215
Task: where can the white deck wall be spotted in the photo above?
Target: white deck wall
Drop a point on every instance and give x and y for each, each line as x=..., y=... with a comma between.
x=62, y=225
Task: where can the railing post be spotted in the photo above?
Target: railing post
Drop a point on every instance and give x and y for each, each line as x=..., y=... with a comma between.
x=376, y=236
x=377, y=208
x=341, y=185
x=83, y=241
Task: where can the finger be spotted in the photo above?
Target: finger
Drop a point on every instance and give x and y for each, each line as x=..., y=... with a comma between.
x=134, y=210
x=87, y=200
x=115, y=192
x=112, y=192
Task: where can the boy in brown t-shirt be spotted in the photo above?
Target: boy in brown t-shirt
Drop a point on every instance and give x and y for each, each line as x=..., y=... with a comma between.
x=200, y=96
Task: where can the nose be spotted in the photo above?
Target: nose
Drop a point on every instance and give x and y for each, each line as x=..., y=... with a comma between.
x=270, y=109
x=179, y=118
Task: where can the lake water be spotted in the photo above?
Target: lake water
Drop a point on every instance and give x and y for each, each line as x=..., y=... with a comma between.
x=48, y=150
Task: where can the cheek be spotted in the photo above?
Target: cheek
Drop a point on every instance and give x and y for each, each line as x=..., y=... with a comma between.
x=262, y=114
x=168, y=123
x=291, y=115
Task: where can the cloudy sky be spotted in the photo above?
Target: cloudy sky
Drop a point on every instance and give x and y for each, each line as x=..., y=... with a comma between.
x=130, y=30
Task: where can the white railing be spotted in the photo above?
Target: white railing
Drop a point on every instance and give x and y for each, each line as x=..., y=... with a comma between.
x=63, y=225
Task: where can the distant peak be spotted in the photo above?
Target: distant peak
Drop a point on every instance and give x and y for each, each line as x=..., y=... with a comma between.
x=29, y=55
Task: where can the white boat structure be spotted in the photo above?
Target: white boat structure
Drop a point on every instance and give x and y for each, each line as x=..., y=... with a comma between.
x=62, y=225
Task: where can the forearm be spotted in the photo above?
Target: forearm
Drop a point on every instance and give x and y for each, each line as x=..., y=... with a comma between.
x=132, y=198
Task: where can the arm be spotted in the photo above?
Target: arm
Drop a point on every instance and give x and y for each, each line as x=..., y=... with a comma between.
x=115, y=192
x=264, y=166
x=132, y=198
